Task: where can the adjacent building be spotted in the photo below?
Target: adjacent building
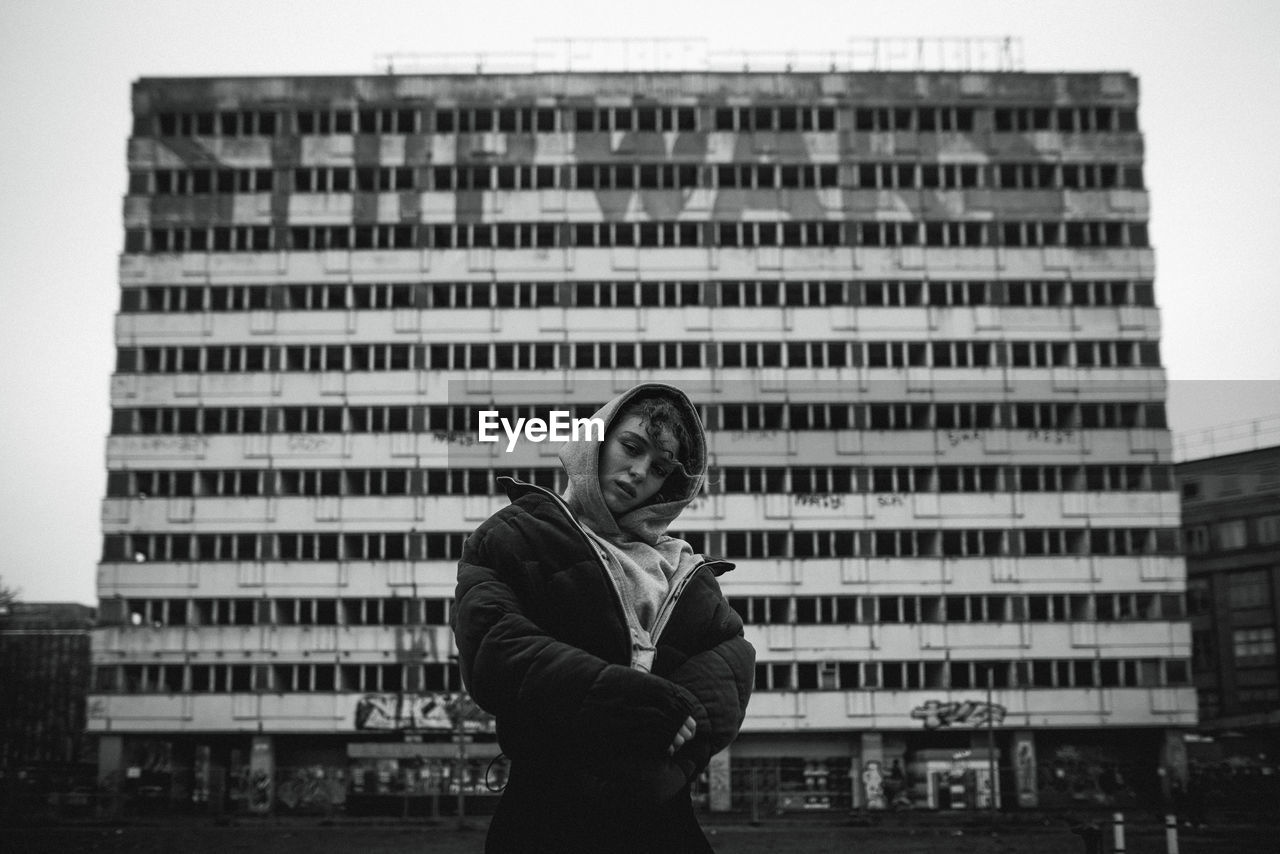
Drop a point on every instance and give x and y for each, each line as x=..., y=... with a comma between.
x=44, y=668
x=1231, y=524
x=917, y=309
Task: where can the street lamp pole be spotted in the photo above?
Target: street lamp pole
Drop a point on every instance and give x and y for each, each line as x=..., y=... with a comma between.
x=460, y=737
x=991, y=743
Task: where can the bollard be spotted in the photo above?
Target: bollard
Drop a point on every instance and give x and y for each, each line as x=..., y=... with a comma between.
x=1090, y=835
x=1118, y=830
x=1171, y=834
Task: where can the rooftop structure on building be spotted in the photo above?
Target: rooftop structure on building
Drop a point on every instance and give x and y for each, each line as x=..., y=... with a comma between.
x=1227, y=440
x=917, y=311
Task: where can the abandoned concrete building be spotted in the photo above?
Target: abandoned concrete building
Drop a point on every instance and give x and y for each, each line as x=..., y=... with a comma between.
x=916, y=308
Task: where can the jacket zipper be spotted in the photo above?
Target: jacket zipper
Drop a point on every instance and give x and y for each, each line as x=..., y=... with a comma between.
x=640, y=652
x=678, y=583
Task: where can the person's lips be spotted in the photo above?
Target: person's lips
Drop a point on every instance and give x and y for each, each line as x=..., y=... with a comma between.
x=626, y=488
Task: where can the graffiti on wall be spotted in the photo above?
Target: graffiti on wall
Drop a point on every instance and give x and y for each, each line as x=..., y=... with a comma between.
x=436, y=711
x=873, y=785
x=251, y=787
x=1024, y=769
x=935, y=713
x=1083, y=773
x=311, y=788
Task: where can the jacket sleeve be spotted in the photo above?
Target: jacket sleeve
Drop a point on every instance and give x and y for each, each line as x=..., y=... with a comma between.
x=720, y=680
x=556, y=694
x=718, y=670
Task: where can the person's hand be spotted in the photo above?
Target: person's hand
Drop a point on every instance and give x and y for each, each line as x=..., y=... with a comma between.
x=687, y=729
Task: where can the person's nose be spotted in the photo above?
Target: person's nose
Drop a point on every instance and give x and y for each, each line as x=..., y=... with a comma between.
x=639, y=468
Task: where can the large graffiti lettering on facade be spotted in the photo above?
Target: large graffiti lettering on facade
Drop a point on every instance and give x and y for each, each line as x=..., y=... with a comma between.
x=937, y=714
x=441, y=712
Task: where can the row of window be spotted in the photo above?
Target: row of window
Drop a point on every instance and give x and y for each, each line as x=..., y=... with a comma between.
x=550, y=235
x=274, y=678
x=723, y=480
x=1239, y=701
x=218, y=420
x=1251, y=647
x=629, y=294
x=1262, y=476
x=1254, y=644
x=393, y=611
x=943, y=674
x=649, y=118
x=1241, y=590
x=142, y=547
x=670, y=355
x=1251, y=663
x=765, y=610
x=182, y=182
x=1232, y=534
x=916, y=542
x=644, y=176
x=139, y=547
x=959, y=675
x=959, y=608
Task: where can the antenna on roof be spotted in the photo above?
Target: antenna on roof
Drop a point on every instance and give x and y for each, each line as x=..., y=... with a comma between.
x=895, y=53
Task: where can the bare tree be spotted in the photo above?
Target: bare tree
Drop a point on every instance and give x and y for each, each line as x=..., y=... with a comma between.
x=8, y=595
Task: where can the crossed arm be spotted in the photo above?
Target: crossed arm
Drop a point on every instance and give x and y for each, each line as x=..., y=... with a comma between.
x=578, y=702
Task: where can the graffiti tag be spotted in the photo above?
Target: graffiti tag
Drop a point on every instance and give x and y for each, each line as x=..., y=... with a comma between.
x=959, y=437
x=303, y=442
x=1051, y=437
x=937, y=714
x=753, y=435
x=826, y=500
x=186, y=444
x=455, y=437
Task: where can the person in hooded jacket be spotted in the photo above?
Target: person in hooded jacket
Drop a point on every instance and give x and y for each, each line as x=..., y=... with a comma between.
x=604, y=648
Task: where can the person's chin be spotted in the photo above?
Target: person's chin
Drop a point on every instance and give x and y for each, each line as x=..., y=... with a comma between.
x=618, y=501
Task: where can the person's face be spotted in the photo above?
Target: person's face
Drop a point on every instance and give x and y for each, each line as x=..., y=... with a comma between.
x=633, y=465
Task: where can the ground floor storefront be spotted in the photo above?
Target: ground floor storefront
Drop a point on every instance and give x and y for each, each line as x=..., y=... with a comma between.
x=409, y=776
x=974, y=769
x=421, y=775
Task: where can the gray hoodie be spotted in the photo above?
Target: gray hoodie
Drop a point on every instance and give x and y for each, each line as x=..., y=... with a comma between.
x=643, y=561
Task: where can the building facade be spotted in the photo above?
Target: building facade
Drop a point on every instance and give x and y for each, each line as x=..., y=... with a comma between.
x=917, y=310
x=1231, y=525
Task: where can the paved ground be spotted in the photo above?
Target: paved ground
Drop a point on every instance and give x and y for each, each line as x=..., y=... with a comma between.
x=268, y=836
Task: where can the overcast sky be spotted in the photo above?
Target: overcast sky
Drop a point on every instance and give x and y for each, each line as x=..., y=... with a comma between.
x=1210, y=113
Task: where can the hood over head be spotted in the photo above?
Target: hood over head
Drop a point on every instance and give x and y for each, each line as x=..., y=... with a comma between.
x=648, y=522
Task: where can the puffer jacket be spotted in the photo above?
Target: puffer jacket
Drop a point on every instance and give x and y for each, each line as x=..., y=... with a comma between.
x=545, y=647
